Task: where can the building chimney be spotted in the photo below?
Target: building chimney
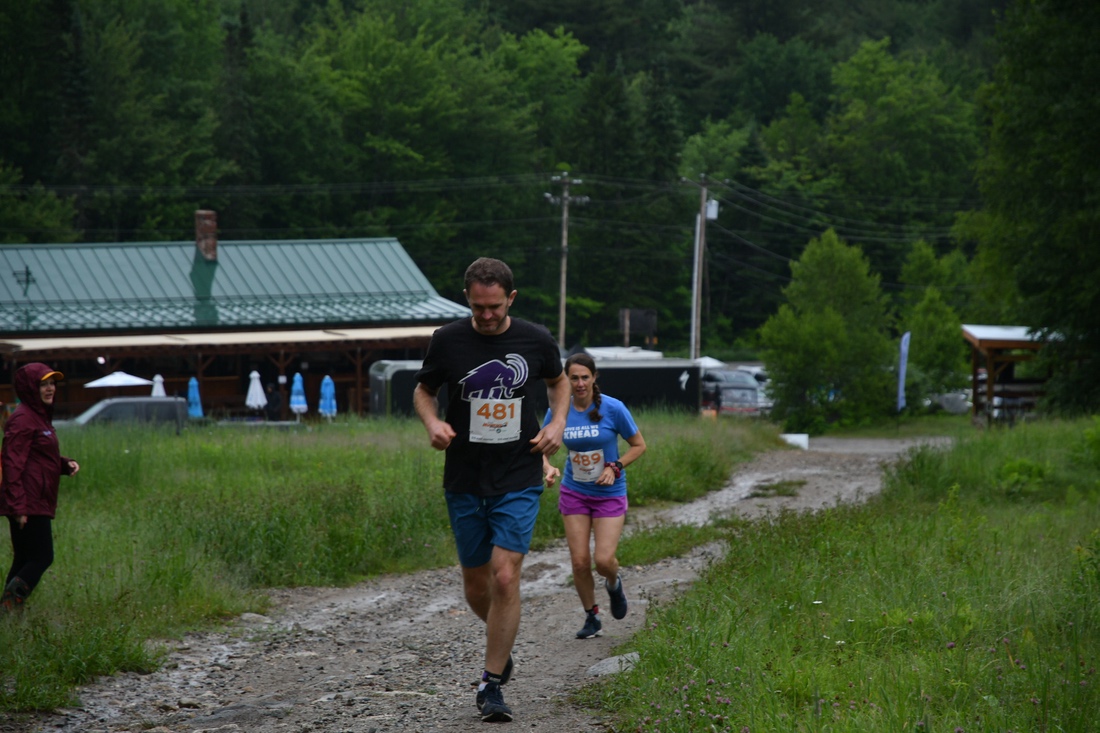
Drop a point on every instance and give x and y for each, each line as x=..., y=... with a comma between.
x=206, y=234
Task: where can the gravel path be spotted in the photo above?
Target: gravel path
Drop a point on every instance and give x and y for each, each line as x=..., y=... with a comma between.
x=402, y=653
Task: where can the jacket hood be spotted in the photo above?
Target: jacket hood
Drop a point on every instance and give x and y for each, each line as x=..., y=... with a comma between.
x=28, y=379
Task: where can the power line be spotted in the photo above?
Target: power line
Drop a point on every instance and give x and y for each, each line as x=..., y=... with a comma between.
x=876, y=226
x=283, y=189
x=846, y=232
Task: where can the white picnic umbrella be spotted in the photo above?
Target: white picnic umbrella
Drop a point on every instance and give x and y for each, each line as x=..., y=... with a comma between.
x=256, y=399
x=158, y=386
x=119, y=379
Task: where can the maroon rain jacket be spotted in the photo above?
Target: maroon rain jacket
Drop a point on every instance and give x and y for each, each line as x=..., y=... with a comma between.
x=32, y=461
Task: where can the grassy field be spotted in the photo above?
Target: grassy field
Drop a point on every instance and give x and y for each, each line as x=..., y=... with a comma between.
x=964, y=598
x=911, y=426
x=160, y=533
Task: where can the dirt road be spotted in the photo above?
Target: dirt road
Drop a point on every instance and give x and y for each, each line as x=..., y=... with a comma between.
x=402, y=653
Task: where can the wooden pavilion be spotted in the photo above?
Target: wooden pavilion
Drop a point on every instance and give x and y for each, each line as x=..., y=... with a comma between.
x=997, y=393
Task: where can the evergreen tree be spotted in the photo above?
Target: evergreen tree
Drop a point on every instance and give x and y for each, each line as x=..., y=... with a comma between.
x=31, y=213
x=236, y=134
x=1040, y=179
x=827, y=349
x=937, y=352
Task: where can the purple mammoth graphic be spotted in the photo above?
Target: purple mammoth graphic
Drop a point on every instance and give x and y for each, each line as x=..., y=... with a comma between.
x=495, y=380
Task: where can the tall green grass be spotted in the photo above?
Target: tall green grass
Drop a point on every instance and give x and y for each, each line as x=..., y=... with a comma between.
x=964, y=598
x=160, y=533
x=909, y=426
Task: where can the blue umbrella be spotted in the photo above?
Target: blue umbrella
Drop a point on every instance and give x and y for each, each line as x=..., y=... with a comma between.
x=194, y=404
x=298, y=395
x=328, y=397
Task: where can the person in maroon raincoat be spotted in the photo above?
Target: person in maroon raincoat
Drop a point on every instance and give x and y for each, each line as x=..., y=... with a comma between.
x=32, y=467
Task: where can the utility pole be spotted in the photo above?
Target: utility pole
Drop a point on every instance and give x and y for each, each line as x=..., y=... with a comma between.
x=564, y=200
x=707, y=210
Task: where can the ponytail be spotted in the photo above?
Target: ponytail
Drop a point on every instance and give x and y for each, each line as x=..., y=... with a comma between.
x=597, y=400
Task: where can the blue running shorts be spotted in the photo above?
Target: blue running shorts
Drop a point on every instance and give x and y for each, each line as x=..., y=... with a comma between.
x=480, y=523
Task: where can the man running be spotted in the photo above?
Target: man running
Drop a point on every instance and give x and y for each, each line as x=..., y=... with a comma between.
x=492, y=474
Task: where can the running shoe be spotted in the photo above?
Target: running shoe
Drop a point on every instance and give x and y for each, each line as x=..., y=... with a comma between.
x=504, y=677
x=592, y=625
x=490, y=701
x=618, y=598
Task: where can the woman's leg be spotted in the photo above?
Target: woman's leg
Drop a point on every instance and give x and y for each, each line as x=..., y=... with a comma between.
x=33, y=550
x=608, y=531
x=578, y=531
x=16, y=550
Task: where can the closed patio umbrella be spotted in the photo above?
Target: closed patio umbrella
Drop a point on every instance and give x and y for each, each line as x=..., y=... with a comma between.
x=194, y=404
x=255, y=399
x=298, y=396
x=158, y=386
x=327, y=407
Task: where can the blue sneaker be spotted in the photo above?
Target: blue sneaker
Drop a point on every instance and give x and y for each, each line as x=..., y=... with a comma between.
x=618, y=598
x=592, y=625
x=490, y=701
x=504, y=677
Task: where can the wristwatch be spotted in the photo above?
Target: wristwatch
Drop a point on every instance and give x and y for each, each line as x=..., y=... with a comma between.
x=618, y=465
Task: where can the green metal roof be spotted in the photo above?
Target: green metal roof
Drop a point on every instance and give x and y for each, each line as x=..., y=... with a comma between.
x=158, y=286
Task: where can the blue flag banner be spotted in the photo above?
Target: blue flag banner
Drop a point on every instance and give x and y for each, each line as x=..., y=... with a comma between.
x=902, y=361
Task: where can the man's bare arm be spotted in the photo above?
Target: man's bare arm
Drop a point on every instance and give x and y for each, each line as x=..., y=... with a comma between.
x=426, y=404
x=549, y=438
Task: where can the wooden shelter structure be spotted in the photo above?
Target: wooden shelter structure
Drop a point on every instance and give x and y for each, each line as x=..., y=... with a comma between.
x=996, y=391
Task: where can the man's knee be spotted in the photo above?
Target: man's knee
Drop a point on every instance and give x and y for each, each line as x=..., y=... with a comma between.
x=507, y=567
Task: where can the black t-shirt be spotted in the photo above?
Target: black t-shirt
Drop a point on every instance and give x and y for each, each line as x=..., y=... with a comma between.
x=491, y=453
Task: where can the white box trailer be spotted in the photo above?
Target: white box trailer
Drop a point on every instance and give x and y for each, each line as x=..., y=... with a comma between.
x=672, y=383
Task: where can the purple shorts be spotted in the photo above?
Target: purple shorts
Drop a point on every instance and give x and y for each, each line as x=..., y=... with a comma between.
x=574, y=502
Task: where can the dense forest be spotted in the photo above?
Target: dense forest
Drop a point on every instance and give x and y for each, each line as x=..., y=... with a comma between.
x=912, y=130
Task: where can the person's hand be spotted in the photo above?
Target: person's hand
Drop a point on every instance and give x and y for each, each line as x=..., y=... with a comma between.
x=548, y=440
x=607, y=476
x=73, y=468
x=550, y=474
x=441, y=434
x=21, y=520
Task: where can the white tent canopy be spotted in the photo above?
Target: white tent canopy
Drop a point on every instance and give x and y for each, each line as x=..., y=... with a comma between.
x=119, y=379
x=709, y=362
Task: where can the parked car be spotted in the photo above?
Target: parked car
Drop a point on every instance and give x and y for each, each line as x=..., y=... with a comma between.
x=151, y=411
x=731, y=391
x=764, y=399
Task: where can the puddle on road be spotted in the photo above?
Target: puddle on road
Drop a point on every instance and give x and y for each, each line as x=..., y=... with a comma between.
x=723, y=501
